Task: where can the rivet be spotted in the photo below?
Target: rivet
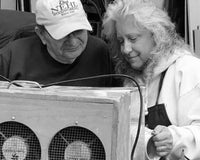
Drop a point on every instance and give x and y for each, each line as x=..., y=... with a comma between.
x=13, y=118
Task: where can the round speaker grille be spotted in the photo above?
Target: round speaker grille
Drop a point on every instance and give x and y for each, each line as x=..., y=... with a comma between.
x=18, y=142
x=76, y=143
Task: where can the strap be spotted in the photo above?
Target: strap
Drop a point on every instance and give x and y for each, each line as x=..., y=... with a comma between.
x=160, y=85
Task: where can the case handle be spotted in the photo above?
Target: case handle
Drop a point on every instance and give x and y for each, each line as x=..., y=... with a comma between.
x=22, y=83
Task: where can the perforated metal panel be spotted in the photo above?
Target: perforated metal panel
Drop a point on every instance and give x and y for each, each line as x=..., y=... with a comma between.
x=18, y=142
x=76, y=143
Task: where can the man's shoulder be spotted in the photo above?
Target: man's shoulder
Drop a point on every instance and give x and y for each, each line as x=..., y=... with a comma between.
x=21, y=46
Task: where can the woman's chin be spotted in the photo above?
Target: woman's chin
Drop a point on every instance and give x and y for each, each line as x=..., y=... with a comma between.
x=137, y=67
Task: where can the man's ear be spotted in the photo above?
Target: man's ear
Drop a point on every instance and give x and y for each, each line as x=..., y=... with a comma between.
x=40, y=33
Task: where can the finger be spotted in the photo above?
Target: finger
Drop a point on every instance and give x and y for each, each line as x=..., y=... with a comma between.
x=162, y=149
x=166, y=148
x=163, y=136
x=158, y=129
x=159, y=137
x=162, y=154
x=161, y=144
x=168, y=144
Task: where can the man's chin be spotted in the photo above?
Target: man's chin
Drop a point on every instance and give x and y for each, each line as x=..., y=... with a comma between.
x=67, y=61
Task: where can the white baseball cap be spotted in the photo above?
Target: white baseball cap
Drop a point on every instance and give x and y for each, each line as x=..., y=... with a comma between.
x=61, y=17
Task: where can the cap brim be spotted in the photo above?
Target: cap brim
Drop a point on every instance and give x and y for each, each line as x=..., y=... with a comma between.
x=62, y=29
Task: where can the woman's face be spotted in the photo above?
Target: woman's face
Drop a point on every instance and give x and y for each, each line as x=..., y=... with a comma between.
x=136, y=44
x=67, y=49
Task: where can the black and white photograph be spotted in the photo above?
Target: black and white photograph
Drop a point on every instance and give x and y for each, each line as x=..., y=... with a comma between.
x=99, y=80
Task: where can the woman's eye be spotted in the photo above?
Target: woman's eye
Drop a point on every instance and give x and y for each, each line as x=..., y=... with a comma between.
x=133, y=39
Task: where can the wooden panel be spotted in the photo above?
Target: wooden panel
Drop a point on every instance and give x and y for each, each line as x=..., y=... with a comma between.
x=46, y=118
x=104, y=111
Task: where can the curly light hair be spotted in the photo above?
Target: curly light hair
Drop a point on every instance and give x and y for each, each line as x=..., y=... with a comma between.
x=147, y=16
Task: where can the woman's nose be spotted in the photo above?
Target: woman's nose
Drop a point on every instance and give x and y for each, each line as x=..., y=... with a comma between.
x=127, y=47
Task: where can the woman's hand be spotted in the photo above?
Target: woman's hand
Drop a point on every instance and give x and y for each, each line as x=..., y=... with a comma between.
x=163, y=140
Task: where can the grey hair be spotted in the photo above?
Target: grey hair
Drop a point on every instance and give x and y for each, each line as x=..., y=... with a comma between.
x=146, y=15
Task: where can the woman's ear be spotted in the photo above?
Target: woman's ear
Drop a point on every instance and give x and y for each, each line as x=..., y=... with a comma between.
x=40, y=34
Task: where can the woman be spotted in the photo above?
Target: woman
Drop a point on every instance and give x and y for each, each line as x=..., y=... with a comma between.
x=145, y=45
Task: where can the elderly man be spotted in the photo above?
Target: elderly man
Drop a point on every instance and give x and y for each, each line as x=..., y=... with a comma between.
x=62, y=48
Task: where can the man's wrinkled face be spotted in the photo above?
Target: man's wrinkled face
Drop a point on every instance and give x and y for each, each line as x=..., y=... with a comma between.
x=67, y=49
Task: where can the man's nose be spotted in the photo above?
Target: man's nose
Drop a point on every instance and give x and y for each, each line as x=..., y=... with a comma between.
x=71, y=39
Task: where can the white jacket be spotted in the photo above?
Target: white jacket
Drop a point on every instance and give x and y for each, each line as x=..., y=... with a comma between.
x=181, y=95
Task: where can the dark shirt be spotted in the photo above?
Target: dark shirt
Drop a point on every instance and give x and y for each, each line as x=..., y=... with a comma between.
x=28, y=59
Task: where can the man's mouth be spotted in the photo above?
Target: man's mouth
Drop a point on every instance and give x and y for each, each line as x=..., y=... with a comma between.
x=71, y=48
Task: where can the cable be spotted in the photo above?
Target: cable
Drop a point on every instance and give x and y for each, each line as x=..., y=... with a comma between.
x=5, y=79
x=112, y=75
x=8, y=80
